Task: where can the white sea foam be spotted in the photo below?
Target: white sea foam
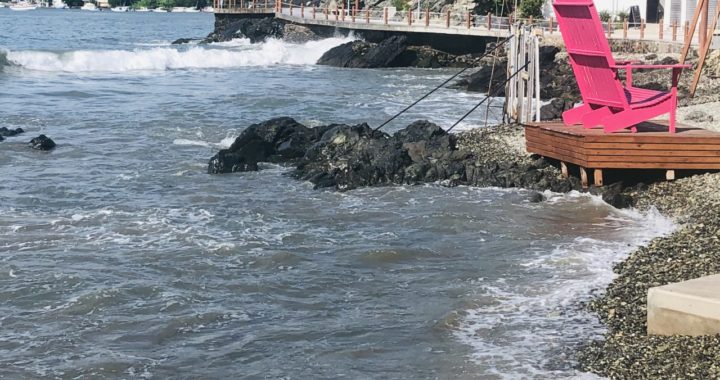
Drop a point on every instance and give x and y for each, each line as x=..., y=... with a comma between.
x=524, y=325
x=272, y=52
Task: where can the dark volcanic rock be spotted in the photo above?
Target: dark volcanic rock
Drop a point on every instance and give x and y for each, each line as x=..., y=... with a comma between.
x=350, y=156
x=480, y=81
x=42, y=142
x=277, y=140
x=5, y=132
x=2, y=138
x=255, y=29
x=555, y=109
x=361, y=54
x=181, y=41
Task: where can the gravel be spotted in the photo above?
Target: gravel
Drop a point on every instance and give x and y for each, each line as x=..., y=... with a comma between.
x=690, y=252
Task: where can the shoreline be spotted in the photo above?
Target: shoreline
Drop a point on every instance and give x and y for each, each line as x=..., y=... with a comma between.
x=329, y=157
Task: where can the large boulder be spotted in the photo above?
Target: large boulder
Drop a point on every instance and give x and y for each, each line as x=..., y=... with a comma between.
x=255, y=29
x=278, y=140
x=42, y=142
x=361, y=54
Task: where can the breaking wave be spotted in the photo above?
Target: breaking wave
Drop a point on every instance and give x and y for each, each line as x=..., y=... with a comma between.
x=221, y=56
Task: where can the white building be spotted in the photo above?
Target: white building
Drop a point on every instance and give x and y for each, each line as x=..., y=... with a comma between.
x=650, y=10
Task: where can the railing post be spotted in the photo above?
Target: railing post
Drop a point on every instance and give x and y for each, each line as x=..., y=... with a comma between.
x=531, y=20
x=342, y=12
x=291, y=9
x=302, y=10
x=427, y=17
x=353, y=16
x=642, y=29
x=674, y=30
x=313, y=12
x=469, y=15
x=609, y=29
x=409, y=18
x=662, y=32
x=367, y=16
x=385, y=16
x=687, y=31
x=625, y=29
x=447, y=20
x=550, y=23
x=325, y=11
x=489, y=21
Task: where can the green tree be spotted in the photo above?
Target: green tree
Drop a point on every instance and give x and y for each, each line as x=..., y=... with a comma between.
x=531, y=8
x=496, y=7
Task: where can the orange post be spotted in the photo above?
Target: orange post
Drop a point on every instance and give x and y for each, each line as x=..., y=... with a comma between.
x=410, y=17
x=674, y=30
x=353, y=16
x=427, y=17
x=302, y=10
x=469, y=16
x=642, y=29
x=687, y=30
x=313, y=12
x=489, y=25
x=326, y=13
x=342, y=12
x=625, y=29
x=662, y=31
x=550, y=25
x=447, y=20
x=367, y=16
x=385, y=15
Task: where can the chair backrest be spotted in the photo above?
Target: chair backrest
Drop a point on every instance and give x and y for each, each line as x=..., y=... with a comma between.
x=589, y=52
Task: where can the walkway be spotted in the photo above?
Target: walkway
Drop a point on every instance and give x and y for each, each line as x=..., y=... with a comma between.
x=456, y=23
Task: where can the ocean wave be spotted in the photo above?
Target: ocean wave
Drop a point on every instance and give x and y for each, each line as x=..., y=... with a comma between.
x=272, y=52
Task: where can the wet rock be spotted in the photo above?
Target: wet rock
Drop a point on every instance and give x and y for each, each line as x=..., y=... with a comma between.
x=298, y=34
x=483, y=79
x=181, y=41
x=2, y=138
x=255, y=29
x=6, y=132
x=536, y=197
x=278, y=140
x=42, y=142
x=361, y=54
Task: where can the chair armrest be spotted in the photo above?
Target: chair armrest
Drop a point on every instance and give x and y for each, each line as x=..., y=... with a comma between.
x=628, y=62
x=630, y=67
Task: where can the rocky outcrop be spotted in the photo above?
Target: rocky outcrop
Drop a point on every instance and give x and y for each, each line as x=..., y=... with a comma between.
x=361, y=54
x=394, y=51
x=255, y=29
x=277, y=140
x=346, y=157
x=42, y=142
x=181, y=41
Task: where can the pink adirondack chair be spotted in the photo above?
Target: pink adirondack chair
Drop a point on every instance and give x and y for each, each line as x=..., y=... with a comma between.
x=606, y=102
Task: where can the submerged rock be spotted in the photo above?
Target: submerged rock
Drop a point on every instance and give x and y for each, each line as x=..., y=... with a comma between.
x=5, y=132
x=181, y=41
x=42, y=142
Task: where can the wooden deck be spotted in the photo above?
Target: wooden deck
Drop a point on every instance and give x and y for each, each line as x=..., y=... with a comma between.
x=653, y=147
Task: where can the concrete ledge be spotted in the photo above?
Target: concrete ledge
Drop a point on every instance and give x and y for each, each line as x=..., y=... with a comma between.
x=685, y=308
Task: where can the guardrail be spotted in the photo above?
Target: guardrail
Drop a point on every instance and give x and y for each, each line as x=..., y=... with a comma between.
x=426, y=21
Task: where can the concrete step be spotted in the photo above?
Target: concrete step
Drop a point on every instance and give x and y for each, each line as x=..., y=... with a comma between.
x=685, y=308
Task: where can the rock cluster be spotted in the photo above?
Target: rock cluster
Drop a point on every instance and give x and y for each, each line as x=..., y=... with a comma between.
x=350, y=156
x=393, y=52
x=690, y=252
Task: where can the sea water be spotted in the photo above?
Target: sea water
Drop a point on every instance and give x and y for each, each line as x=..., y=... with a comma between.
x=121, y=258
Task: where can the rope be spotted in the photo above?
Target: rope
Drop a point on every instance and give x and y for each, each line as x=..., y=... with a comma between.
x=490, y=95
x=439, y=87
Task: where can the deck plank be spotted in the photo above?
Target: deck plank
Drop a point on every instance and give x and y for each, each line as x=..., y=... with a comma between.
x=653, y=147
